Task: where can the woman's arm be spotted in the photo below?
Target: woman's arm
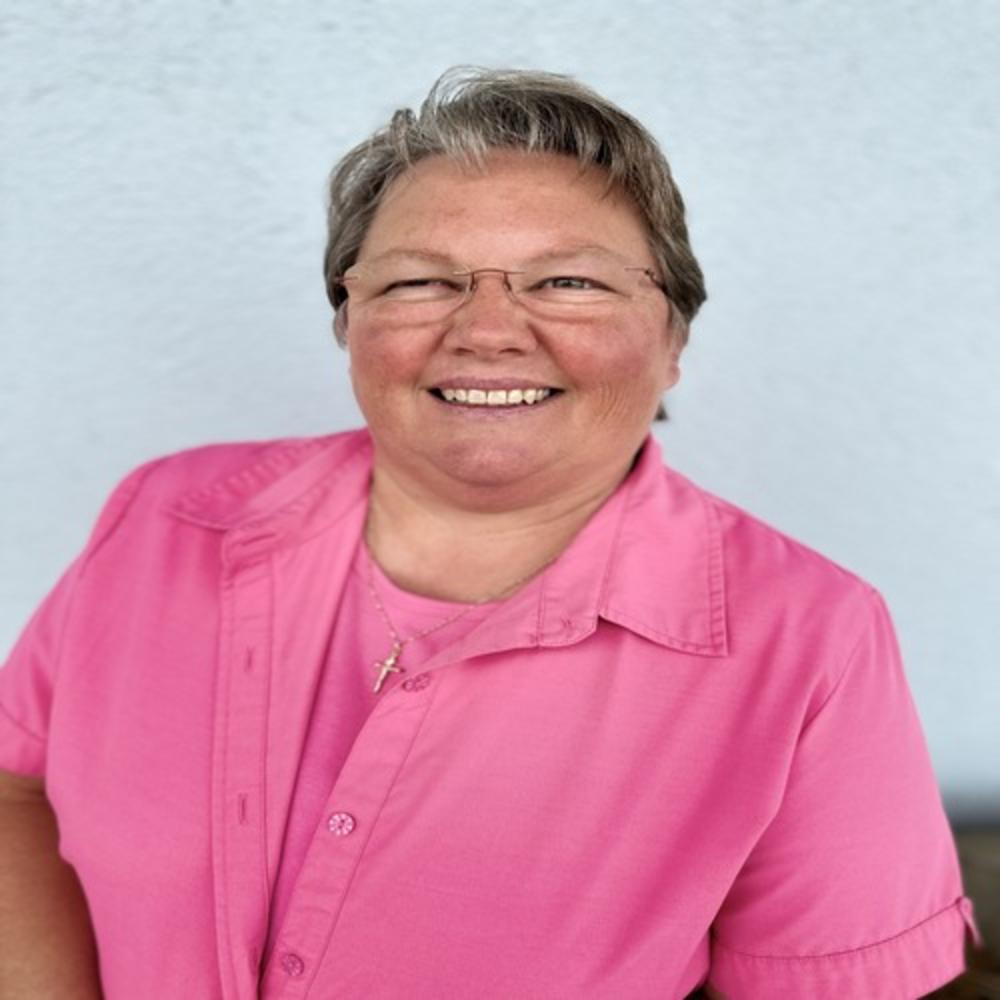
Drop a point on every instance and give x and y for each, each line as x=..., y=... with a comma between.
x=47, y=949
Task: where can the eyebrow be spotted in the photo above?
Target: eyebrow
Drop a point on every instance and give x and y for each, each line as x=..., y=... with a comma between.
x=556, y=253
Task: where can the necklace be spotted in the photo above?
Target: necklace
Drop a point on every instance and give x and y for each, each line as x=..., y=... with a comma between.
x=390, y=664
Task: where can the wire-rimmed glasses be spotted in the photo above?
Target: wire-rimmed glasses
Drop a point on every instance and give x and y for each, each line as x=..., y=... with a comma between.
x=416, y=288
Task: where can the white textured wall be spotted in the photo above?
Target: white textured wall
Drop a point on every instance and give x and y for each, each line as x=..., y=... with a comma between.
x=162, y=194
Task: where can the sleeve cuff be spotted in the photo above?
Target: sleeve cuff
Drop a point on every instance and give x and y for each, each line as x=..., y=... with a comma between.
x=909, y=965
x=21, y=751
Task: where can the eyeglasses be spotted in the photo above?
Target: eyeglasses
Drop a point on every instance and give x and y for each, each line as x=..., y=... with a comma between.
x=413, y=290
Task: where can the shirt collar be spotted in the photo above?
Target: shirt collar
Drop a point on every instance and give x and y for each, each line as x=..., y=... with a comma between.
x=650, y=560
x=664, y=574
x=294, y=490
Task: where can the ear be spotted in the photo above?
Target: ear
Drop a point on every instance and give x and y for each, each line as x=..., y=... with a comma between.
x=340, y=324
x=675, y=332
x=672, y=373
x=670, y=362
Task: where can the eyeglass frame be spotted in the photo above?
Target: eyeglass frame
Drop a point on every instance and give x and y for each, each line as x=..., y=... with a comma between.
x=341, y=280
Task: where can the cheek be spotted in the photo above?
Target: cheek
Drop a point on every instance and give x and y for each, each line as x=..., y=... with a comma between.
x=382, y=360
x=621, y=362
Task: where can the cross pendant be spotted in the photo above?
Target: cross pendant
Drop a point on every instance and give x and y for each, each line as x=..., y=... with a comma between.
x=388, y=666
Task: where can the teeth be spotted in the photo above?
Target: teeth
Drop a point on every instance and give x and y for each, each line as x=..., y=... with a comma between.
x=495, y=397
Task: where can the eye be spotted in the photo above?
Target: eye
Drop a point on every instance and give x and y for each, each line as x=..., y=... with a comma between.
x=421, y=287
x=570, y=283
x=571, y=286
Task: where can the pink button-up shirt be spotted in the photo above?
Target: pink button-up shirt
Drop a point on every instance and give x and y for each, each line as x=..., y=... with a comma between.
x=685, y=752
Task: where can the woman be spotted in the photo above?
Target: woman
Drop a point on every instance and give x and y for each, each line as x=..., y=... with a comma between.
x=481, y=701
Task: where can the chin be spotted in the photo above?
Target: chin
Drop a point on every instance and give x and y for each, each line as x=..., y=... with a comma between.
x=491, y=465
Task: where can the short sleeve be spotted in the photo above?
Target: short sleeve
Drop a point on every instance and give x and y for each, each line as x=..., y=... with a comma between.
x=29, y=677
x=853, y=891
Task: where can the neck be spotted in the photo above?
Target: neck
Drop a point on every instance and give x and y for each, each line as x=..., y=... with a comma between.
x=430, y=546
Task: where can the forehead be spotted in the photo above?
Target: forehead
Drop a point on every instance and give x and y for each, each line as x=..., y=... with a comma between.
x=513, y=202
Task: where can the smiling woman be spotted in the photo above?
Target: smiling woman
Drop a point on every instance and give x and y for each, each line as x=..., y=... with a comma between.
x=481, y=700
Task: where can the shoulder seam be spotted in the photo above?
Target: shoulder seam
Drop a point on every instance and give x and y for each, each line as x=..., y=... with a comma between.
x=872, y=597
x=117, y=506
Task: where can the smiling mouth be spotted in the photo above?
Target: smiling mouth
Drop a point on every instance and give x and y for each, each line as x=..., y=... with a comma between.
x=495, y=397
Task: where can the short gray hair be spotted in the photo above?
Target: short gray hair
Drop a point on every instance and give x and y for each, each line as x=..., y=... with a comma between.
x=470, y=111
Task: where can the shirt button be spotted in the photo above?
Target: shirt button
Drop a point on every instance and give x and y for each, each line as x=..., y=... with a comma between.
x=292, y=964
x=340, y=824
x=417, y=683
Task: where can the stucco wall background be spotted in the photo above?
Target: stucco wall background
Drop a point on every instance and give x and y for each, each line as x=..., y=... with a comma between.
x=162, y=210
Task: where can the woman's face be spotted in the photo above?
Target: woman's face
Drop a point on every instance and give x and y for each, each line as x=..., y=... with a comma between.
x=606, y=368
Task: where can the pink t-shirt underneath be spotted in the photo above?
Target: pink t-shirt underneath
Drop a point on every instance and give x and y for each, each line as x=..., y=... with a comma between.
x=359, y=638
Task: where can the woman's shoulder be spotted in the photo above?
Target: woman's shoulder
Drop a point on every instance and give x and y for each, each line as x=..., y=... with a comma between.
x=762, y=558
x=203, y=469
x=212, y=477
x=207, y=466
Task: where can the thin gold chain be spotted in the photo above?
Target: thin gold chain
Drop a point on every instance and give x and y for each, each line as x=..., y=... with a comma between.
x=427, y=631
x=388, y=665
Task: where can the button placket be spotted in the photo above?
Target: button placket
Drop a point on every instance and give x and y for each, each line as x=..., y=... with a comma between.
x=240, y=747
x=365, y=781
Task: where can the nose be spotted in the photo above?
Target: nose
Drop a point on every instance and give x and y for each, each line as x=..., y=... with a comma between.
x=490, y=320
